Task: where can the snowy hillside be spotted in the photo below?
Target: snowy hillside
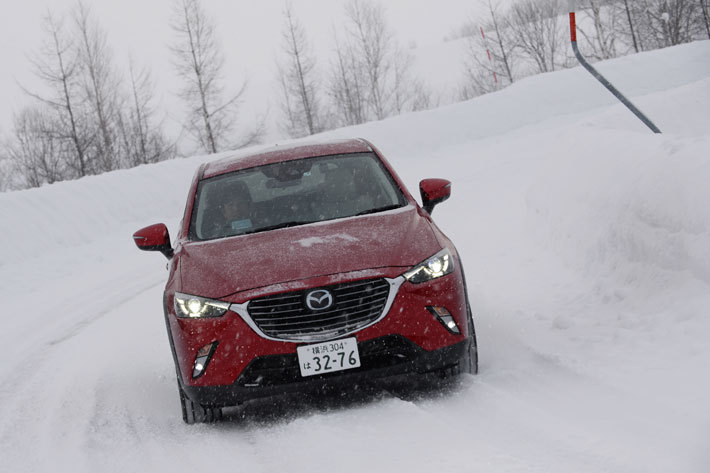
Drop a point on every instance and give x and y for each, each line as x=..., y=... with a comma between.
x=586, y=241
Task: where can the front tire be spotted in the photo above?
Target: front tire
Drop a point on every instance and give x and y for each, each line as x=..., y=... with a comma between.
x=193, y=413
x=470, y=360
x=470, y=363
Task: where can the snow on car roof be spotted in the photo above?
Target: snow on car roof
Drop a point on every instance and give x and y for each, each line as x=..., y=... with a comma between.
x=277, y=153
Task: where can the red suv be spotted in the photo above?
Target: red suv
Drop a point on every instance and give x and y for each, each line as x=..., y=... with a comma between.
x=305, y=266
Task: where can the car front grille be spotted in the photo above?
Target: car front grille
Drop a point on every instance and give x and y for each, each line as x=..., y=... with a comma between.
x=287, y=317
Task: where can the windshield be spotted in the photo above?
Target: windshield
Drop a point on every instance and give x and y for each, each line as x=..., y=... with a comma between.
x=292, y=193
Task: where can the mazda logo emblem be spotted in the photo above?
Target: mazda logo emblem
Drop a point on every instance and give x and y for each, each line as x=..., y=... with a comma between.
x=320, y=299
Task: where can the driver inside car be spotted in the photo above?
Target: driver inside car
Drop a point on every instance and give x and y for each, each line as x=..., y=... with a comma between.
x=235, y=207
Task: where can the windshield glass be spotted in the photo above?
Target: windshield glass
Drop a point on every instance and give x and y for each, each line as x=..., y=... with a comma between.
x=292, y=193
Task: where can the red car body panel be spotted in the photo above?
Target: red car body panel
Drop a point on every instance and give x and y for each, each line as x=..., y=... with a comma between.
x=216, y=268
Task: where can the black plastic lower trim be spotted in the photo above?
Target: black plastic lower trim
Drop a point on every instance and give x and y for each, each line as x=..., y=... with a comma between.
x=381, y=358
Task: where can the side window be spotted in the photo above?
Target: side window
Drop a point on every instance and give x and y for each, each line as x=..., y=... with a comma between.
x=224, y=207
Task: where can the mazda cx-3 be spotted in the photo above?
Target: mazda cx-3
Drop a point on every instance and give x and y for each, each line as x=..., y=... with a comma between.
x=305, y=266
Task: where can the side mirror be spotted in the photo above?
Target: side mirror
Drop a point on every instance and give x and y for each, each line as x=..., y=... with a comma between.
x=154, y=238
x=434, y=191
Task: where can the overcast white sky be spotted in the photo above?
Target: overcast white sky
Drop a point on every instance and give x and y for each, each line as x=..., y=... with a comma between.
x=249, y=31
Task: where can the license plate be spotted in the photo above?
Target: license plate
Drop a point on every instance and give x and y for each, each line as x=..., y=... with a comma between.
x=328, y=357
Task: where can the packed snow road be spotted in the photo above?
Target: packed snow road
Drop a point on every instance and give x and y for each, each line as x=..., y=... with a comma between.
x=586, y=242
x=102, y=397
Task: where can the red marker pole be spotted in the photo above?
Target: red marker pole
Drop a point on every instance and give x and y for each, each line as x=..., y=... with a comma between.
x=599, y=77
x=485, y=41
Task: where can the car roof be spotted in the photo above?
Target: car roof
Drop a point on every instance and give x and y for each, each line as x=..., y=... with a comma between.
x=278, y=153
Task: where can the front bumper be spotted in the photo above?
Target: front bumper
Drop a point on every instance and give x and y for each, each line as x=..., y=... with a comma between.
x=381, y=358
x=409, y=333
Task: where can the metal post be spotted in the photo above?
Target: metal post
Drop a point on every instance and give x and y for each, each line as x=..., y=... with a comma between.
x=600, y=78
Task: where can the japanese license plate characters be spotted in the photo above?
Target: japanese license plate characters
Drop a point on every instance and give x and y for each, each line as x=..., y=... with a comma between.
x=328, y=357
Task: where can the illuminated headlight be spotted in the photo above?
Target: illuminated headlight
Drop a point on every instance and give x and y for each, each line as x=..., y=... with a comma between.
x=438, y=265
x=198, y=307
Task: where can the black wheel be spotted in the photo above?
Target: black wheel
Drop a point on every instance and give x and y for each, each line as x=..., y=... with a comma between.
x=471, y=358
x=470, y=361
x=193, y=413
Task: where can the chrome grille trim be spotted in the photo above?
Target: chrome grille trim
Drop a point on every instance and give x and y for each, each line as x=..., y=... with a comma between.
x=243, y=311
x=325, y=321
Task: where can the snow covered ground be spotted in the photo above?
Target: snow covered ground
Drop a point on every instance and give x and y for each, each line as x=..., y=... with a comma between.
x=586, y=241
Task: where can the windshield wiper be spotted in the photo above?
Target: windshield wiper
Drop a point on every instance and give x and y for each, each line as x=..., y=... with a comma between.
x=294, y=223
x=276, y=226
x=380, y=209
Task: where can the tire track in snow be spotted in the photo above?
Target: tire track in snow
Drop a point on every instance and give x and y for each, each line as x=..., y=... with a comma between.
x=57, y=365
x=103, y=397
x=111, y=302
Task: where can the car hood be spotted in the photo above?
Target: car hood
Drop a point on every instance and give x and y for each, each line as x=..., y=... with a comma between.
x=219, y=268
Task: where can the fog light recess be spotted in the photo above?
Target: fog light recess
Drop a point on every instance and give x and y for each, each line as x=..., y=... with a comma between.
x=446, y=319
x=203, y=357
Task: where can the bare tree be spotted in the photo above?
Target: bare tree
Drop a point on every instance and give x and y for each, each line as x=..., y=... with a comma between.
x=143, y=142
x=602, y=42
x=503, y=41
x=661, y=23
x=298, y=79
x=347, y=86
x=58, y=67
x=409, y=93
x=84, y=121
x=35, y=149
x=371, y=77
x=632, y=32
x=706, y=15
x=6, y=172
x=480, y=70
x=101, y=85
x=7, y=165
x=537, y=31
x=199, y=62
x=477, y=81
x=373, y=42
x=671, y=22
x=489, y=55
